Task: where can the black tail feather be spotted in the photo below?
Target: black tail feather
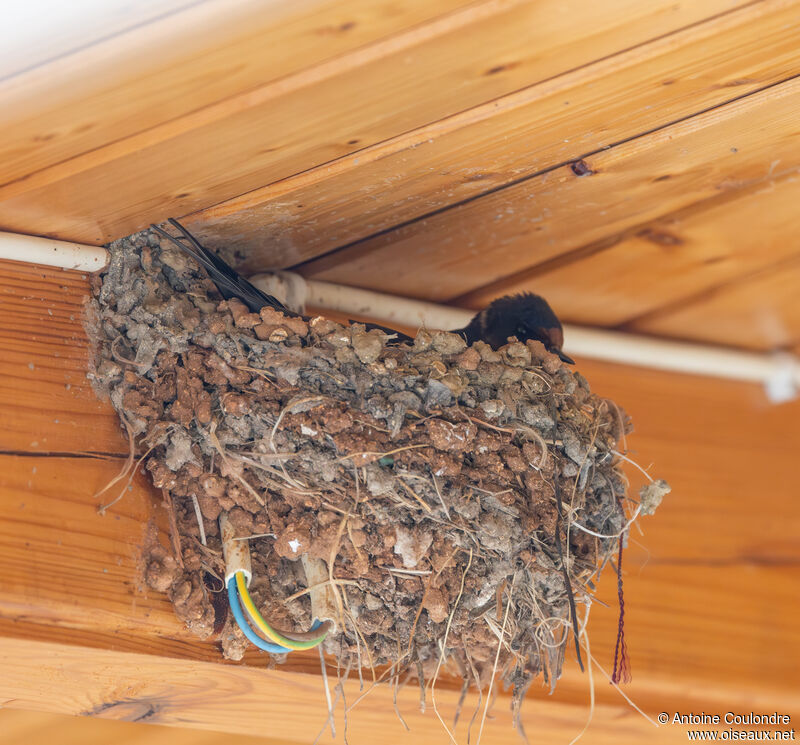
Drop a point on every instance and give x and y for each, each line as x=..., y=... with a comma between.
x=228, y=281
x=231, y=284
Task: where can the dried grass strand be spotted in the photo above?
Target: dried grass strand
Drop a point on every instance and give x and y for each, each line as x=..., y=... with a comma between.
x=443, y=649
x=496, y=659
x=590, y=675
x=199, y=515
x=126, y=466
x=222, y=454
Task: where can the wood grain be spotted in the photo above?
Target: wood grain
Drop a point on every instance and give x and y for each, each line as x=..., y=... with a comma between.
x=37, y=728
x=64, y=564
x=290, y=706
x=454, y=126
x=671, y=412
x=747, y=142
x=73, y=575
x=250, y=701
x=33, y=38
x=694, y=431
x=420, y=75
x=760, y=311
x=46, y=401
x=171, y=64
x=480, y=149
x=675, y=614
x=671, y=264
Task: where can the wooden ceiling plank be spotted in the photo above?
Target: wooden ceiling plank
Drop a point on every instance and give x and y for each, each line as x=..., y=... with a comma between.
x=33, y=39
x=68, y=566
x=671, y=261
x=761, y=311
x=178, y=63
x=418, y=76
x=747, y=142
x=674, y=629
x=528, y=131
x=46, y=401
x=674, y=419
x=64, y=564
x=37, y=728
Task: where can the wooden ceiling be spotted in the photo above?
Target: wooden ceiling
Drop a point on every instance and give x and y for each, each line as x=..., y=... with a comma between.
x=636, y=163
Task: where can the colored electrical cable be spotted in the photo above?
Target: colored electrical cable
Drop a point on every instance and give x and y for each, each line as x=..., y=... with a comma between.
x=294, y=636
x=233, y=599
x=265, y=628
x=317, y=630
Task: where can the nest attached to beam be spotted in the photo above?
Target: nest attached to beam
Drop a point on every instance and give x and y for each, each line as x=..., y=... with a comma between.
x=427, y=477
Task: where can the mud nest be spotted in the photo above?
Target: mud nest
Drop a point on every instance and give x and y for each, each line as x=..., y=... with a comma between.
x=442, y=485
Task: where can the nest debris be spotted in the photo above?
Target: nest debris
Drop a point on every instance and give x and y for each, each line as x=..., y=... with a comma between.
x=427, y=477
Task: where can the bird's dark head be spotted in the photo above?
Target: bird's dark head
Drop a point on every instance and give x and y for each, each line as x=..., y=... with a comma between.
x=526, y=316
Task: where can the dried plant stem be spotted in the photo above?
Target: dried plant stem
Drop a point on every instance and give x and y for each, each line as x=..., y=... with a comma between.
x=102, y=508
x=327, y=693
x=496, y=659
x=416, y=496
x=477, y=680
x=443, y=648
x=622, y=693
x=317, y=586
x=376, y=455
x=585, y=637
x=576, y=524
x=633, y=463
x=222, y=454
x=199, y=515
x=377, y=682
x=127, y=465
x=395, y=678
x=173, y=527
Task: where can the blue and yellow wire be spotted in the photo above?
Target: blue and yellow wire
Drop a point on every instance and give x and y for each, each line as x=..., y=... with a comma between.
x=259, y=632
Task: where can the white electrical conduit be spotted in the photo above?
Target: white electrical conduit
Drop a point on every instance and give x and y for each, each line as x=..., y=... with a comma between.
x=778, y=373
x=36, y=250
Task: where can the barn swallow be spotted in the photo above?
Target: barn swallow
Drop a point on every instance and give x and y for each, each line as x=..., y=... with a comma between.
x=524, y=316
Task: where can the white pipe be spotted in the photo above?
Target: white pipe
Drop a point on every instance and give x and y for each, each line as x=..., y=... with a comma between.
x=779, y=374
x=235, y=551
x=50, y=252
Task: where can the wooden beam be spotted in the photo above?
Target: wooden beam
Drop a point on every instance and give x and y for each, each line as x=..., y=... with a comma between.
x=739, y=145
x=65, y=564
x=159, y=67
x=281, y=708
x=672, y=264
x=47, y=402
x=43, y=307
x=311, y=116
x=760, y=311
x=32, y=41
x=38, y=728
x=479, y=150
x=727, y=659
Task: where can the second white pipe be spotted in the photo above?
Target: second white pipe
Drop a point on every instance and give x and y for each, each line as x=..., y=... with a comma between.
x=779, y=374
